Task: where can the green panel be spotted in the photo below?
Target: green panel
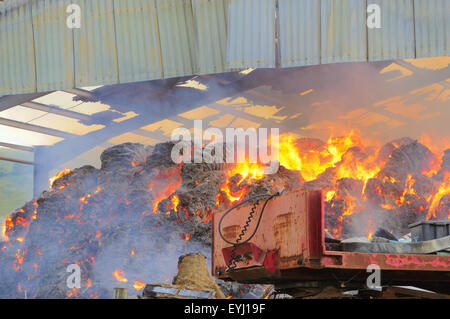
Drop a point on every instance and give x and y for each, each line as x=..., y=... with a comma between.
x=53, y=45
x=17, y=69
x=211, y=26
x=95, y=44
x=137, y=34
x=343, y=31
x=251, y=34
x=178, y=42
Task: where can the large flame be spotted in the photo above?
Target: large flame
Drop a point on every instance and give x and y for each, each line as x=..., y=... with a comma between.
x=343, y=154
x=444, y=189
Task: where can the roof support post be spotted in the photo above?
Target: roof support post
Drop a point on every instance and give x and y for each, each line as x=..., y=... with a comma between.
x=41, y=170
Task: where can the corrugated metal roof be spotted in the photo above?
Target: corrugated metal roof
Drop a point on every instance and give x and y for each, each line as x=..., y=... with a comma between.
x=211, y=27
x=17, y=70
x=299, y=36
x=432, y=25
x=53, y=45
x=395, y=38
x=131, y=18
x=177, y=36
x=137, y=40
x=251, y=34
x=343, y=31
x=95, y=44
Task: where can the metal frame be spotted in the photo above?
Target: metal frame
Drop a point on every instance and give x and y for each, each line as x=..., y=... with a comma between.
x=56, y=110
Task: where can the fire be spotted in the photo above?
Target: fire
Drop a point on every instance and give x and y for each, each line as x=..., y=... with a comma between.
x=341, y=157
x=236, y=190
x=119, y=276
x=59, y=175
x=444, y=189
x=329, y=195
x=72, y=293
x=174, y=201
x=313, y=160
x=20, y=255
x=409, y=190
x=5, y=227
x=370, y=229
x=163, y=185
x=138, y=285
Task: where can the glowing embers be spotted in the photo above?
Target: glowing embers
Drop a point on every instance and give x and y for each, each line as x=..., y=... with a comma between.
x=163, y=185
x=20, y=255
x=18, y=222
x=52, y=180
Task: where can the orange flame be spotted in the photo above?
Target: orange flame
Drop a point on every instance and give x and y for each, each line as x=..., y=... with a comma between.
x=59, y=175
x=119, y=276
x=5, y=226
x=138, y=285
x=444, y=189
x=163, y=185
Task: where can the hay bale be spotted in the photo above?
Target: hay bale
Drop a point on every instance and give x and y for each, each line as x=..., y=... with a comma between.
x=193, y=273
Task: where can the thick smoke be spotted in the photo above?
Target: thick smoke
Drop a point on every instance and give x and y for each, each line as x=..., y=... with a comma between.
x=102, y=220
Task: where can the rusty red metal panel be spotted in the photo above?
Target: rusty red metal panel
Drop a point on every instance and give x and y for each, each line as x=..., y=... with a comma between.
x=315, y=224
x=283, y=229
x=353, y=260
x=248, y=255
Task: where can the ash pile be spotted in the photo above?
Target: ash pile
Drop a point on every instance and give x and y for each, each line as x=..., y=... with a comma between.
x=124, y=225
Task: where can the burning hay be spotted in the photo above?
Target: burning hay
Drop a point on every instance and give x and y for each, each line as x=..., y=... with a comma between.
x=126, y=223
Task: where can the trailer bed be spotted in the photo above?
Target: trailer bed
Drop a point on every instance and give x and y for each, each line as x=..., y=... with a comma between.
x=289, y=249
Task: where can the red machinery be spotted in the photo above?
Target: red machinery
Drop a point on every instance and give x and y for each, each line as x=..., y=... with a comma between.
x=288, y=249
